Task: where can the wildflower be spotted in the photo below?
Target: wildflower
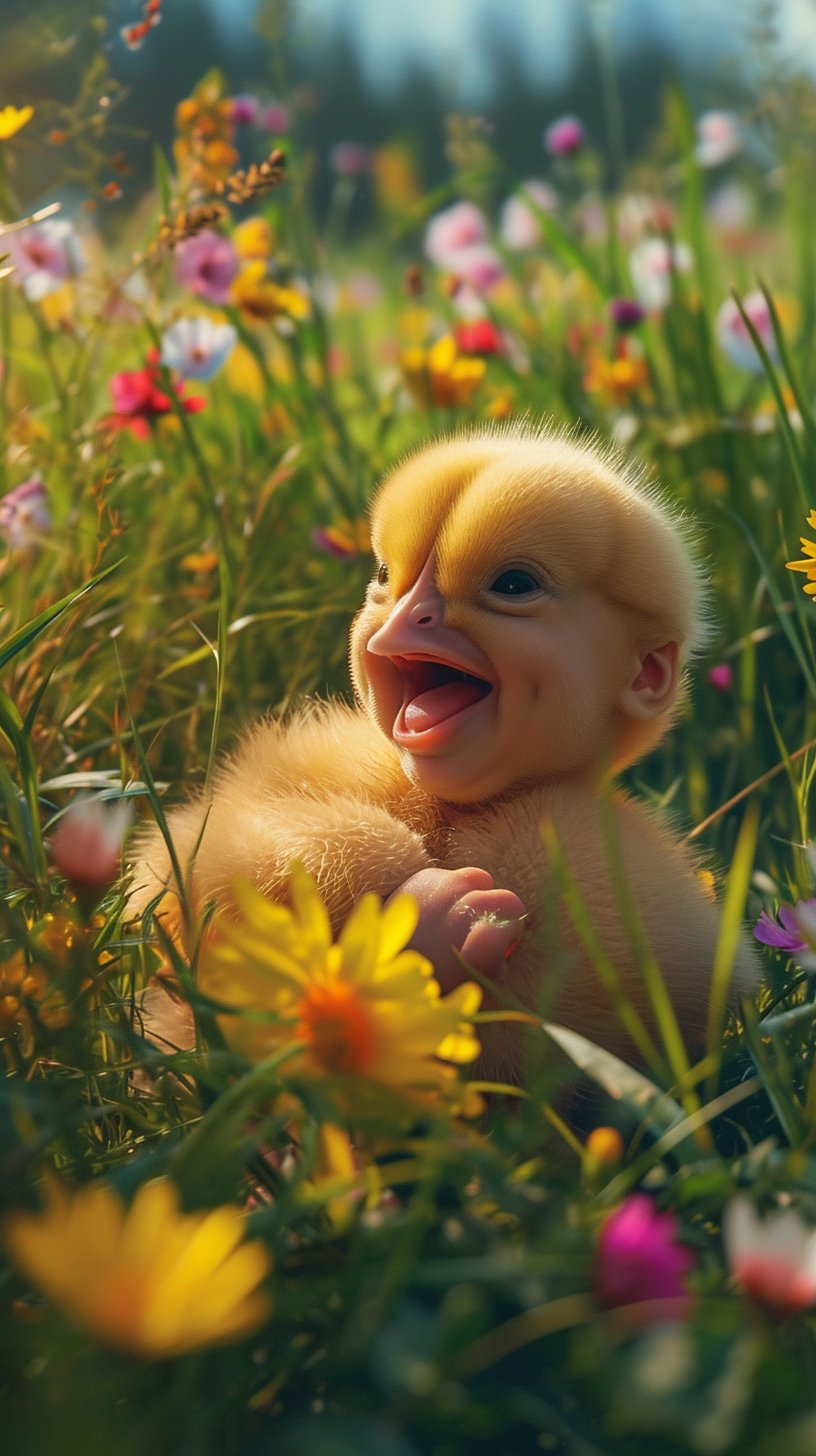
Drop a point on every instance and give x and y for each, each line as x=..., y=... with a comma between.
x=350, y=159
x=395, y=177
x=809, y=563
x=519, y=225
x=259, y=298
x=24, y=514
x=479, y=337
x=638, y=214
x=651, y=265
x=605, y=1145
x=45, y=257
x=137, y=400
x=207, y=264
x=135, y=36
x=721, y=677
x=253, y=238
x=244, y=375
x=479, y=266
x=451, y=231
x=637, y=1257
x=440, y=375
x=345, y=540
x=787, y=936
x=12, y=120
x=564, y=136
x=773, y=1259
x=733, y=336
x=244, y=110
x=334, y=1165
x=86, y=846
x=618, y=378
x=273, y=118
x=626, y=313
x=718, y=138
x=501, y=405
x=364, y=1007
x=148, y=1280
x=197, y=347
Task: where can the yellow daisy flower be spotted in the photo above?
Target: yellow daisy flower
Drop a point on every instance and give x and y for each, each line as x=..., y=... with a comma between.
x=260, y=299
x=809, y=564
x=12, y=120
x=440, y=375
x=148, y=1280
x=364, y=1007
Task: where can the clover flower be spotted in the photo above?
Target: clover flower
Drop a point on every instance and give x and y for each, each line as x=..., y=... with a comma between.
x=449, y=232
x=86, y=846
x=45, y=257
x=721, y=677
x=651, y=264
x=24, y=514
x=787, y=933
x=626, y=313
x=733, y=337
x=148, y=1280
x=773, y=1259
x=563, y=137
x=441, y=375
x=207, y=265
x=363, y=1008
x=197, y=347
x=244, y=110
x=718, y=138
x=637, y=1257
x=809, y=564
x=519, y=226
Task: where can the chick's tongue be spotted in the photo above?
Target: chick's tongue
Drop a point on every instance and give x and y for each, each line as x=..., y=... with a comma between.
x=431, y=707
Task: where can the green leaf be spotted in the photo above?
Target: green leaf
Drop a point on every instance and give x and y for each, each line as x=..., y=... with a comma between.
x=163, y=181
x=736, y=893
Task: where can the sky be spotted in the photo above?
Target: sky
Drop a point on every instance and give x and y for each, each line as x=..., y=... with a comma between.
x=453, y=35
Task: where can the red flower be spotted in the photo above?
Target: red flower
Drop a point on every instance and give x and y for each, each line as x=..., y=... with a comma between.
x=137, y=399
x=478, y=337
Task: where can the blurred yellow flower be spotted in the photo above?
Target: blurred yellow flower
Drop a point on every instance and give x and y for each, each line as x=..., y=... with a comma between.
x=617, y=378
x=260, y=299
x=149, y=1280
x=441, y=375
x=364, y=1007
x=253, y=238
x=809, y=564
x=12, y=119
x=333, y=1168
x=244, y=375
x=395, y=177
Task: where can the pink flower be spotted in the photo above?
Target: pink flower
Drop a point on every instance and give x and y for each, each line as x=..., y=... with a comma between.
x=773, y=1259
x=718, y=138
x=46, y=256
x=453, y=230
x=637, y=1257
x=86, y=846
x=788, y=935
x=650, y=265
x=24, y=514
x=273, y=118
x=244, y=110
x=207, y=265
x=137, y=400
x=519, y=225
x=479, y=266
x=564, y=136
x=721, y=677
x=734, y=338
x=350, y=159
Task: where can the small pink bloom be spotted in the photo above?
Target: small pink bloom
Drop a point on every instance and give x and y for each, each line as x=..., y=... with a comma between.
x=734, y=338
x=637, y=1257
x=789, y=933
x=244, y=110
x=451, y=231
x=564, y=136
x=207, y=265
x=273, y=118
x=774, y=1259
x=519, y=224
x=45, y=256
x=86, y=846
x=718, y=138
x=721, y=677
x=24, y=514
x=651, y=264
x=350, y=159
x=479, y=266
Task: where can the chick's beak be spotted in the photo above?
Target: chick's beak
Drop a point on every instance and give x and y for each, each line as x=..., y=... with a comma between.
x=416, y=622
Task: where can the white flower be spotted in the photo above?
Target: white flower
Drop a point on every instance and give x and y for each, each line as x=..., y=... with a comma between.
x=718, y=138
x=45, y=257
x=519, y=225
x=774, y=1259
x=452, y=230
x=197, y=347
x=650, y=265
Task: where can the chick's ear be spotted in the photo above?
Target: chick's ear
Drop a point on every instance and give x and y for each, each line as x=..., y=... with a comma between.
x=654, y=686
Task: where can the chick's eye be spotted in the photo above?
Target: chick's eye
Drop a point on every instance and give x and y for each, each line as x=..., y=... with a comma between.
x=382, y=574
x=515, y=582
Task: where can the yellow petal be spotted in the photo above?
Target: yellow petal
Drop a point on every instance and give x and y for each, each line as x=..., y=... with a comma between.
x=399, y=921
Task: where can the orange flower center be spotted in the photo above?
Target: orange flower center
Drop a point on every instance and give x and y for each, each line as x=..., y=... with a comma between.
x=337, y=1025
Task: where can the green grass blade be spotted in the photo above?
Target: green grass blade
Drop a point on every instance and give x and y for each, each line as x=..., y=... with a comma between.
x=786, y=430
x=736, y=893
x=21, y=639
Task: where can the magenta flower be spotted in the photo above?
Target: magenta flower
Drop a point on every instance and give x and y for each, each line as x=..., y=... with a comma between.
x=207, y=265
x=626, y=313
x=24, y=514
x=450, y=232
x=273, y=118
x=244, y=110
x=637, y=1257
x=787, y=936
x=564, y=136
x=721, y=677
x=350, y=159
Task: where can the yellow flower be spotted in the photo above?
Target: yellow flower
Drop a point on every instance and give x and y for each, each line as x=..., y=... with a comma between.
x=11, y=120
x=244, y=375
x=253, y=238
x=364, y=1007
x=809, y=564
x=149, y=1280
x=259, y=298
x=334, y=1168
x=440, y=375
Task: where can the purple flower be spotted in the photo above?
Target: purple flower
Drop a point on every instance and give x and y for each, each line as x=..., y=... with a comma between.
x=197, y=347
x=626, y=313
x=787, y=936
x=564, y=136
x=454, y=229
x=207, y=264
x=46, y=256
x=244, y=110
x=637, y=1258
x=721, y=677
x=350, y=159
x=273, y=118
x=24, y=514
